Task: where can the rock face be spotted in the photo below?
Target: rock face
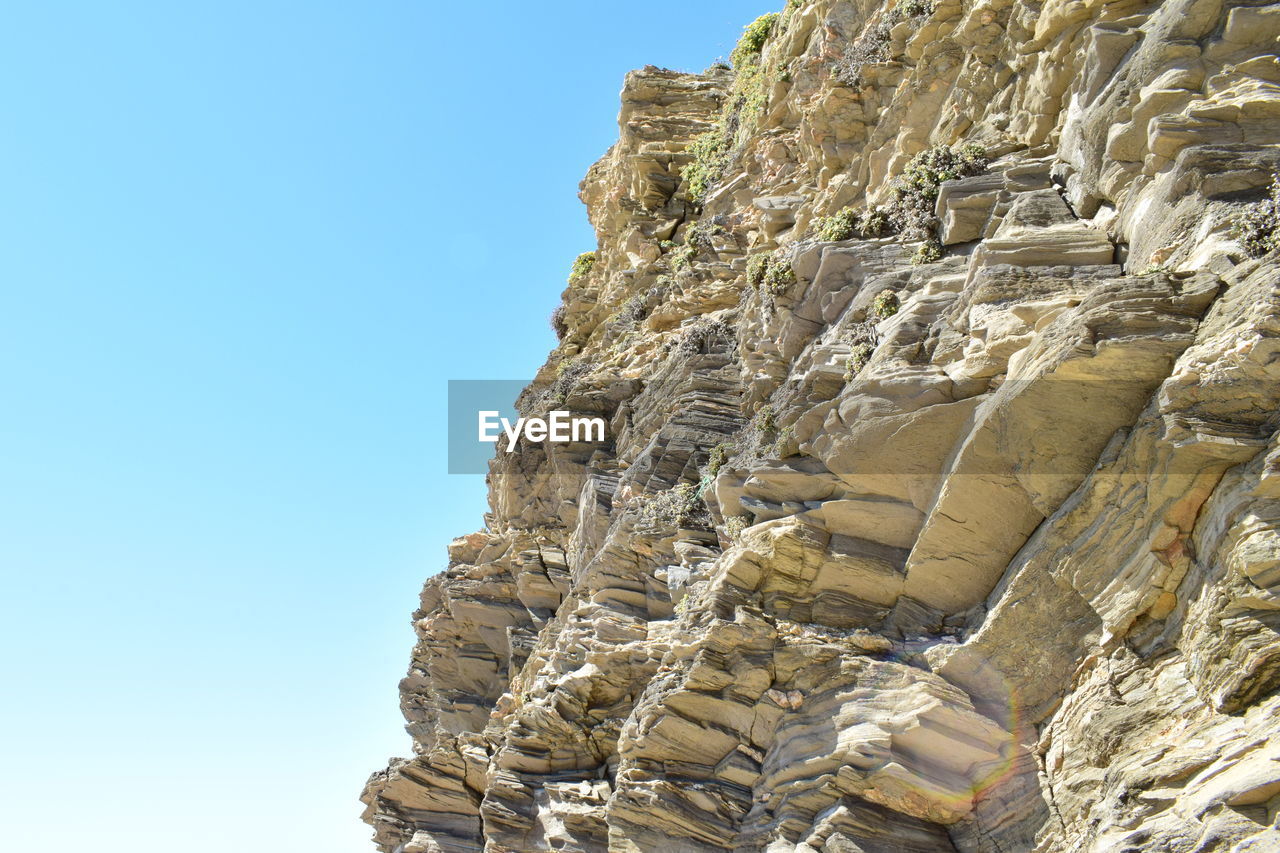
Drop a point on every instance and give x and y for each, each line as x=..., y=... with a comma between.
x=949, y=525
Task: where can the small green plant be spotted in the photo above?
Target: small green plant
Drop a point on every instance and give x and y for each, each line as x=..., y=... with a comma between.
x=682, y=257
x=772, y=273
x=1258, y=228
x=680, y=506
x=581, y=266
x=734, y=525
x=849, y=223
x=754, y=35
x=634, y=309
x=766, y=420
x=697, y=239
x=710, y=153
x=568, y=374
x=885, y=305
x=874, y=223
x=715, y=460
x=746, y=103
x=858, y=358
x=631, y=313
x=914, y=9
x=749, y=94
x=929, y=252
x=778, y=276
x=786, y=436
x=915, y=193
x=841, y=225
x=705, y=336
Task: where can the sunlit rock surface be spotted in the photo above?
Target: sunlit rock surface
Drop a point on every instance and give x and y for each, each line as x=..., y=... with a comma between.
x=989, y=563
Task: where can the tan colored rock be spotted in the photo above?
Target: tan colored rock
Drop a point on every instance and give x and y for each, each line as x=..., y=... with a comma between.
x=969, y=555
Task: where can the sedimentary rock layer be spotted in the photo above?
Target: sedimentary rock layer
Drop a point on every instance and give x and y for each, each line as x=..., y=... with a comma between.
x=939, y=509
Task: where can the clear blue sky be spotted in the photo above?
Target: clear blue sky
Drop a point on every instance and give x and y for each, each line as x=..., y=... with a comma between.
x=244, y=246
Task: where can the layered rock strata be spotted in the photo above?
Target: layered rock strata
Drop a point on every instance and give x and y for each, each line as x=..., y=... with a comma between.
x=979, y=552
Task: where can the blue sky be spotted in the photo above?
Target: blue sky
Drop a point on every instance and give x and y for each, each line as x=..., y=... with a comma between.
x=244, y=247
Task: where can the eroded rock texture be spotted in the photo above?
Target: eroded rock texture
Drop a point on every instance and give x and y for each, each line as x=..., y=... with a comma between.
x=978, y=553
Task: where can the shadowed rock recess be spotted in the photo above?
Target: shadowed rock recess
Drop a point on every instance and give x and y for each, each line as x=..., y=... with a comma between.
x=940, y=506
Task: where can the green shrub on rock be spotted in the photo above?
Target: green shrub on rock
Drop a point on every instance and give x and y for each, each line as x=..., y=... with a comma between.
x=1258, y=229
x=766, y=420
x=631, y=314
x=757, y=266
x=915, y=193
x=858, y=358
x=681, y=506
x=873, y=45
x=581, y=266
x=778, y=276
x=850, y=223
x=749, y=97
x=705, y=336
x=710, y=153
x=874, y=222
x=930, y=251
x=682, y=256
x=754, y=35
x=716, y=459
x=696, y=239
x=914, y=9
x=863, y=340
x=734, y=525
x=770, y=272
x=841, y=225
x=885, y=305
x=568, y=374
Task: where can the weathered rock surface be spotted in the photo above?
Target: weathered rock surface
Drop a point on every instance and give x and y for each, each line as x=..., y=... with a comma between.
x=988, y=562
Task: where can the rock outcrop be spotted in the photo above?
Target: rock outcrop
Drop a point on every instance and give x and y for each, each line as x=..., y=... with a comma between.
x=940, y=506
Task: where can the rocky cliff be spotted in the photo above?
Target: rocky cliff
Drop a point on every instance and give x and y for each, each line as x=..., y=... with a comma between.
x=940, y=507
